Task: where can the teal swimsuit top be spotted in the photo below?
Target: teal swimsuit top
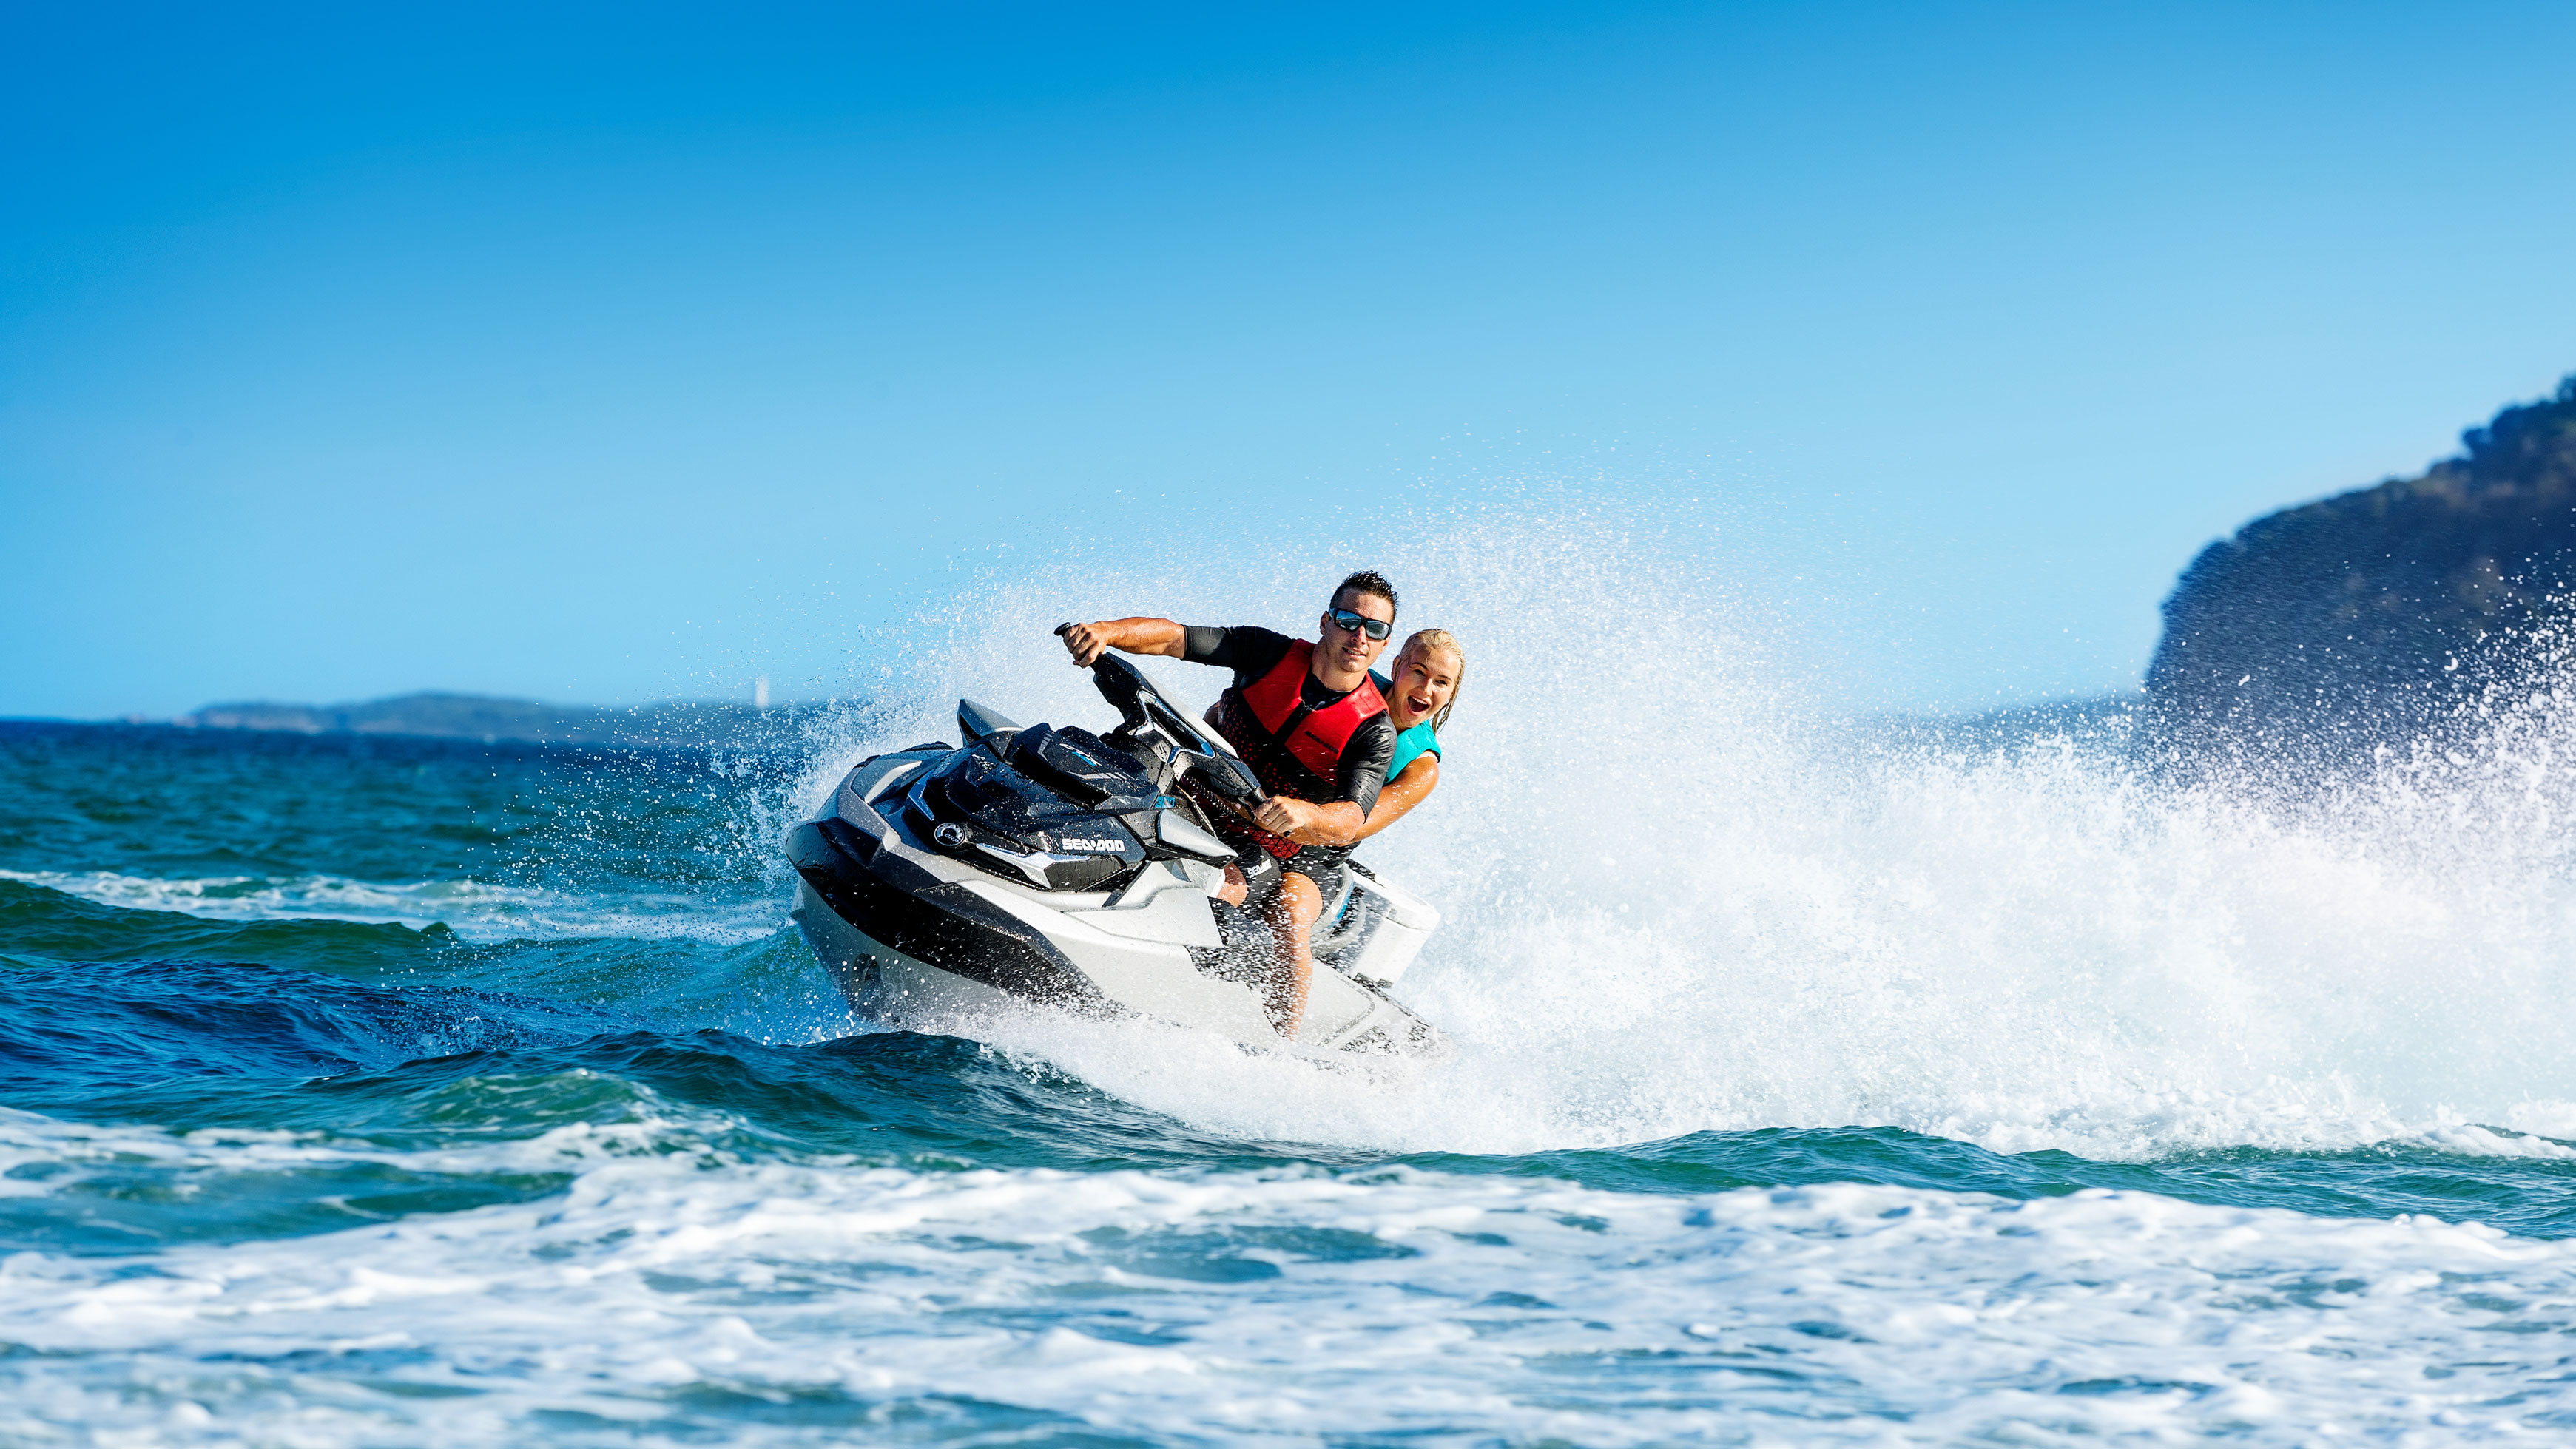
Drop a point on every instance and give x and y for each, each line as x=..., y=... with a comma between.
x=1410, y=745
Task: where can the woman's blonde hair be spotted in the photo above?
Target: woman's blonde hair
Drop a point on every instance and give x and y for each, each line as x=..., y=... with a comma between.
x=1440, y=639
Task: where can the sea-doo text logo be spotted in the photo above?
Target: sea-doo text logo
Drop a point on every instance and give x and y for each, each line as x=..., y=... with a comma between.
x=1072, y=843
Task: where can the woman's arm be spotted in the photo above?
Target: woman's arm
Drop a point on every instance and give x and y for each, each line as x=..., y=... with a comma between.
x=1401, y=794
x=1133, y=636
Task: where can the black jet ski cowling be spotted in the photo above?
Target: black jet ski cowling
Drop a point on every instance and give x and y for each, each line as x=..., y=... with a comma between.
x=1051, y=808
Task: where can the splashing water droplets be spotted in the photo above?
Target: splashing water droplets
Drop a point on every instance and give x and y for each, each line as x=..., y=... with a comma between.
x=1683, y=894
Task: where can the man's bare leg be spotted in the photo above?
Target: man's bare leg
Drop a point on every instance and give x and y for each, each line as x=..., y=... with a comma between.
x=1292, y=970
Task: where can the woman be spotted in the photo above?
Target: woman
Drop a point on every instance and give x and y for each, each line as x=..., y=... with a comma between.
x=1418, y=699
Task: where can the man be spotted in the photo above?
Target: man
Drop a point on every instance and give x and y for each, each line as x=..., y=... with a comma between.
x=1307, y=718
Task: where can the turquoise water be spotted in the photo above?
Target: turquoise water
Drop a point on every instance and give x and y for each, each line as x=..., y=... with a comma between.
x=388, y=1091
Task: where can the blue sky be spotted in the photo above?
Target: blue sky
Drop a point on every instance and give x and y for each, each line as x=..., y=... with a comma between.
x=613, y=353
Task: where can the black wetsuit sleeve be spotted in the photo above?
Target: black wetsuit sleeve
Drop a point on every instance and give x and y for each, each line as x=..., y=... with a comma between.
x=1248, y=649
x=1365, y=756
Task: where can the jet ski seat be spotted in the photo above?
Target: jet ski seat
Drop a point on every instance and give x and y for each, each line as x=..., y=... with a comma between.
x=1378, y=928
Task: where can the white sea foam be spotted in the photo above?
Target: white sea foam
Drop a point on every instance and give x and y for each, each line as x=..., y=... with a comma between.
x=30, y=1141
x=475, y=910
x=803, y=1302
x=1683, y=895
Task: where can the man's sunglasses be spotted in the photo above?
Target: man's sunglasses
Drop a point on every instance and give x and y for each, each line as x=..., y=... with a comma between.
x=1350, y=623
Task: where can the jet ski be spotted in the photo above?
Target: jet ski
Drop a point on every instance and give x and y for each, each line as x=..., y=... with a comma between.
x=1047, y=866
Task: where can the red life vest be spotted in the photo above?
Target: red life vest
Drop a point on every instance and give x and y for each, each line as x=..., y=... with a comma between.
x=1294, y=751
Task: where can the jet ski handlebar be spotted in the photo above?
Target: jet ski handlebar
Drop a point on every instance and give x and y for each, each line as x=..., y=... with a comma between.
x=1142, y=709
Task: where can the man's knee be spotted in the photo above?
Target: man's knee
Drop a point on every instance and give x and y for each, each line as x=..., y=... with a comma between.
x=1303, y=900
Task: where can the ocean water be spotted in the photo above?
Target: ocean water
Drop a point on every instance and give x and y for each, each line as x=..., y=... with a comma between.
x=1819, y=1081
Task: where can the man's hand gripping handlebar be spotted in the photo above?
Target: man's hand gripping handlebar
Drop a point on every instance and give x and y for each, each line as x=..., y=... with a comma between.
x=1083, y=642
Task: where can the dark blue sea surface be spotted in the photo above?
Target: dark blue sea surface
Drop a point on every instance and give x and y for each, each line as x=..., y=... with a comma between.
x=384, y=1090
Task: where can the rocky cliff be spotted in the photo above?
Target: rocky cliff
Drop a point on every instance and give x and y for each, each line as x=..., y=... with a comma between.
x=2353, y=621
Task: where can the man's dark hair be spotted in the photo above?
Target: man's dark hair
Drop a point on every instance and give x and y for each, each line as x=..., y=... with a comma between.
x=1370, y=581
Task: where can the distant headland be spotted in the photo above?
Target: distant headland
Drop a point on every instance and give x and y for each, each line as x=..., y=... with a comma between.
x=2357, y=619
x=491, y=718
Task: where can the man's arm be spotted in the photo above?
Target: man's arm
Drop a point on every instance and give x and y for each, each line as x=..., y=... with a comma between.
x=1344, y=821
x=1308, y=823
x=1133, y=636
x=1247, y=649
